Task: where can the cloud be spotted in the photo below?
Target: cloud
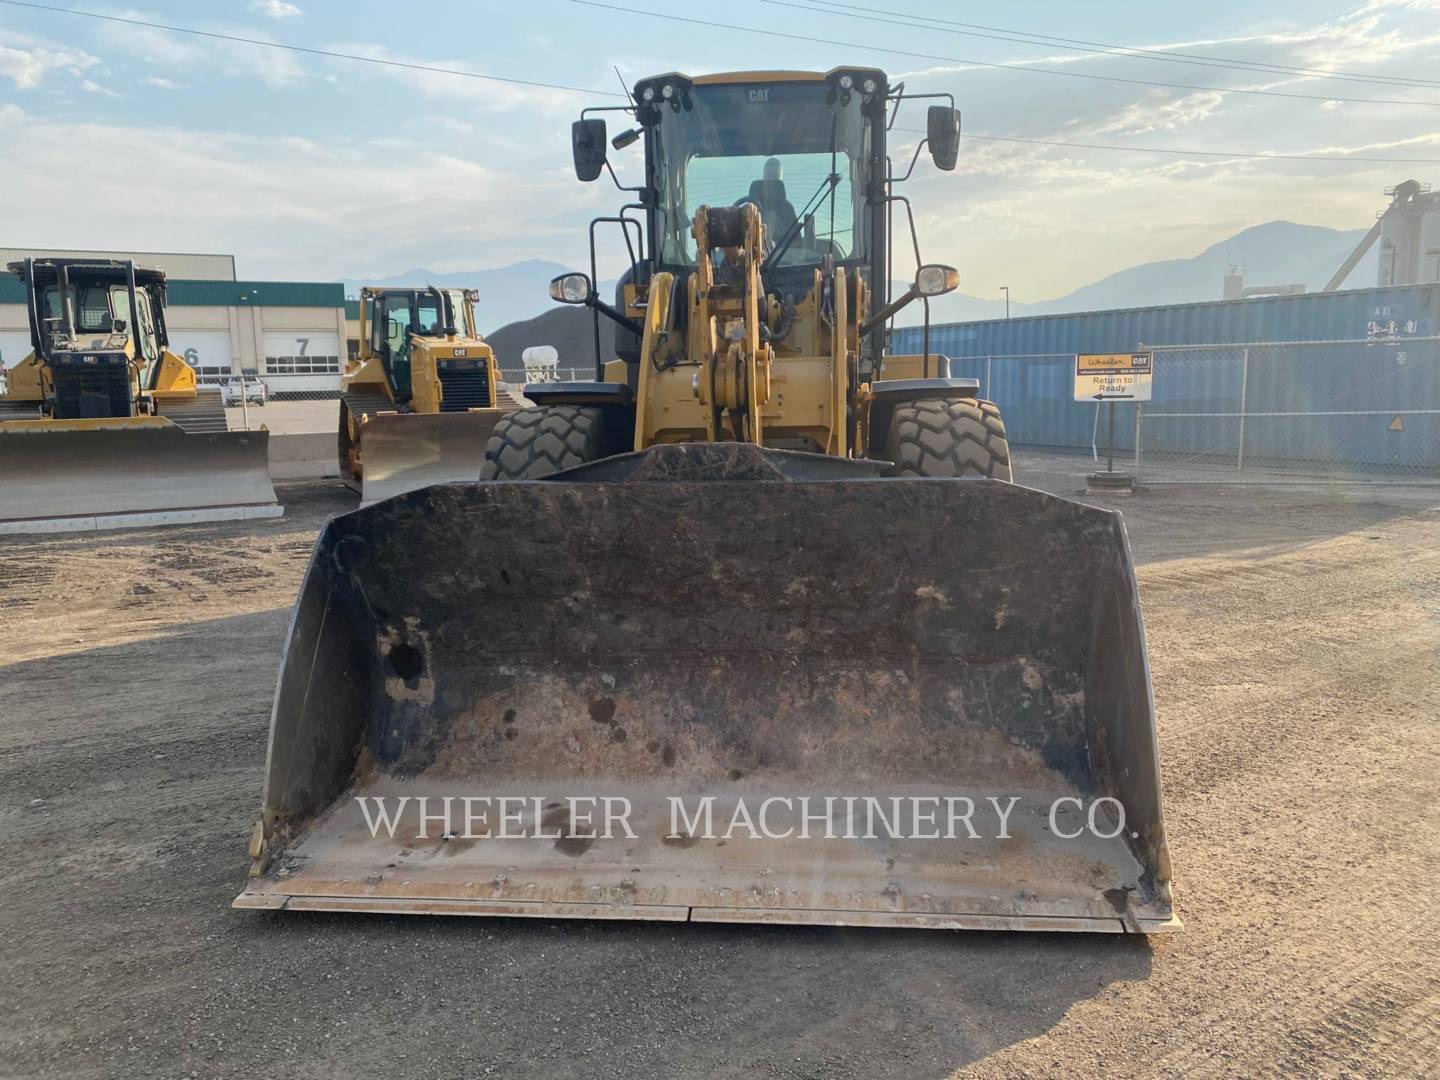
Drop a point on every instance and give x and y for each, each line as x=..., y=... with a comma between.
x=288, y=206
x=175, y=52
x=272, y=66
x=91, y=87
x=488, y=94
x=482, y=176
x=1161, y=110
x=26, y=60
x=274, y=9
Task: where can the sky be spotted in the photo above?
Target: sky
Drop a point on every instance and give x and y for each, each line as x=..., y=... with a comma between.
x=308, y=167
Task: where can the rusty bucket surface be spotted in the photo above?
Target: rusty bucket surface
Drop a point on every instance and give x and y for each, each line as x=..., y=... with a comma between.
x=700, y=634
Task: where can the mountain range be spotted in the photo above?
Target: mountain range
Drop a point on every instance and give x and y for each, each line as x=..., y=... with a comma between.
x=515, y=300
x=1275, y=253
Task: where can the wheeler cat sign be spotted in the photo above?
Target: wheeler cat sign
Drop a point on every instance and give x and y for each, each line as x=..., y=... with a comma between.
x=1113, y=376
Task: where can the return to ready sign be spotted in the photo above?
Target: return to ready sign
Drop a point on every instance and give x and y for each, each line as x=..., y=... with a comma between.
x=1113, y=376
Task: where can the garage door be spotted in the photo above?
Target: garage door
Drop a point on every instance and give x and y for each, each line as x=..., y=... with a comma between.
x=300, y=362
x=207, y=351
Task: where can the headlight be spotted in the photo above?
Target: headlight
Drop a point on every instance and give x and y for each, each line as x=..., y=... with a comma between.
x=936, y=280
x=648, y=94
x=868, y=86
x=846, y=82
x=667, y=91
x=570, y=289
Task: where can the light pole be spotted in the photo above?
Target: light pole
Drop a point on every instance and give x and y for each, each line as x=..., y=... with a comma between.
x=1006, y=290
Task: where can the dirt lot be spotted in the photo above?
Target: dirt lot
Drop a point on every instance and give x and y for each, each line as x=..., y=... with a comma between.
x=1295, y=640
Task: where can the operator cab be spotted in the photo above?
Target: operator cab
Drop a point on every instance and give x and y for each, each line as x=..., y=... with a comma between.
x=98, y=327
x=399, y=315
x=808, y=149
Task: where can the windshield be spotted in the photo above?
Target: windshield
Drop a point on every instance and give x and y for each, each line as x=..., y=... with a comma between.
x=94, y=312
x=462, y=319
x=777, y=146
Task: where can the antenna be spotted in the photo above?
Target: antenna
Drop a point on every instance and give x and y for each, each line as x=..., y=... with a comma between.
x=628, y=96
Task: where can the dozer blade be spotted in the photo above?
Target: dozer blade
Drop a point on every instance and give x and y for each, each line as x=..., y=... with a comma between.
x=66, y=477
x=401, y=452
x=764, y=630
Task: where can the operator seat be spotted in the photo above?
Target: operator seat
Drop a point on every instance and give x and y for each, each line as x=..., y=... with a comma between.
x=768, y=193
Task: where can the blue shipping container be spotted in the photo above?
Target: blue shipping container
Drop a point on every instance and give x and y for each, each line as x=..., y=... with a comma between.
x=1027, y=366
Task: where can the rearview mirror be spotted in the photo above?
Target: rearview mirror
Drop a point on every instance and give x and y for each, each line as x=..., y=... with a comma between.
x=943, y=130
x=587, y=144
x=935, y=279
x=572, y=289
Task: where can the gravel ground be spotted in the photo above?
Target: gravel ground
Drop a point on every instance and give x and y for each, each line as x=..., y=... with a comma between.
x=1295, y=641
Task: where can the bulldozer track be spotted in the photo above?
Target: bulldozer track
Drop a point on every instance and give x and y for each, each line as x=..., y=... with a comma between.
x=19, y=410
x=368, y=404
x=205, y=415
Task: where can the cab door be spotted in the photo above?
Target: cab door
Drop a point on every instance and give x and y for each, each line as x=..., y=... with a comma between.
x=390, y=340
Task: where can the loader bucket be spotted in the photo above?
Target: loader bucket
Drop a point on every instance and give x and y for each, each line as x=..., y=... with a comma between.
x=746, y=630
x=58, y=478
x=401, y=452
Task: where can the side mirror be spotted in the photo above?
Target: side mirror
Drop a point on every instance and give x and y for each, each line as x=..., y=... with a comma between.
x=943, y=130
x=572, y=288
x=625, y=138
x=587, y=144
x=935, y=279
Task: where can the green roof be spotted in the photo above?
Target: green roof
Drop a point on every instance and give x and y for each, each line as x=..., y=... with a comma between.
x=189, y=293
x=194, y=293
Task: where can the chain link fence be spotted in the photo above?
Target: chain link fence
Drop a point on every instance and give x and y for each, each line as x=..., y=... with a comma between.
x=1334, y=410
x=253, y=401
x=1356, y=410
x=1361, y=410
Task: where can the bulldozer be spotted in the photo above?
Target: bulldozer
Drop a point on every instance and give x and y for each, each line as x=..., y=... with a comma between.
x=426, y=394
x=102, y=426
x=711, y=614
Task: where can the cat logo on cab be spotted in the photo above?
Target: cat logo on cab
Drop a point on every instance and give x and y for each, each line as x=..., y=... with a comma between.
x=760, y=96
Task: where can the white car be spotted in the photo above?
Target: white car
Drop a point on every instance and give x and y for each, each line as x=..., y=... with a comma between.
x=254, y=391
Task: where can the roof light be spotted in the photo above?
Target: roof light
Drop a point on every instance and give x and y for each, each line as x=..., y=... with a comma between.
x=667, y=91
x=846, y=82
x=648, y=94
x=868, y=86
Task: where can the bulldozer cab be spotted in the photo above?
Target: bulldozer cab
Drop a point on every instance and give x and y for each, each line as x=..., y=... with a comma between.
x=97, y=330
x=398, y=316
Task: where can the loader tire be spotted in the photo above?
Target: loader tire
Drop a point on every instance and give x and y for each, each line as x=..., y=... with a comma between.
x=532, y=443
x=933, y=437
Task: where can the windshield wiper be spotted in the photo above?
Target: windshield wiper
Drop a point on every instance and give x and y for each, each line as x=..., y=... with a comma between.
x=829, y=184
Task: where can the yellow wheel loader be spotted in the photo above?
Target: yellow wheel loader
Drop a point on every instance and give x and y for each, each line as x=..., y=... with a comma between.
x=752, y=627
x=419, y=408
x=102, y=426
